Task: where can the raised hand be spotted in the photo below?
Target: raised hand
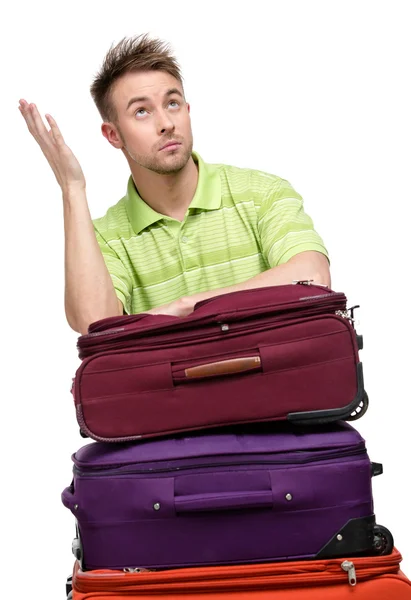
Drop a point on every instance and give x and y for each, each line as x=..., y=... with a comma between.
x=65, y=165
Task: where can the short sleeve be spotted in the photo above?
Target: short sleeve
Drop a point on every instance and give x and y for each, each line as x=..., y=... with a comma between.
x=284, y=228
x=118, y=273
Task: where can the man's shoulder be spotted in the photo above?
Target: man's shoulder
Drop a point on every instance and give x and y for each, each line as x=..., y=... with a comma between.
x=257, y=182
x=115, y=223
x=244, y=172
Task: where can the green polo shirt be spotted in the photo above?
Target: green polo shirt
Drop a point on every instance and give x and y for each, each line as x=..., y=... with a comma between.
x=240, y=223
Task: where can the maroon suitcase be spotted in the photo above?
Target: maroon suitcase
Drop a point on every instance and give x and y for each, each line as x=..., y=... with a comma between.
x=274, y=353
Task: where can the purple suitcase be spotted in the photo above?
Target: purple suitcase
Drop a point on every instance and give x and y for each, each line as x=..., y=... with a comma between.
x=221, y=498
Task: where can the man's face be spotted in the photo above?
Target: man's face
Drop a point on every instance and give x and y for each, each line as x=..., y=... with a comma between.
x=151, y=113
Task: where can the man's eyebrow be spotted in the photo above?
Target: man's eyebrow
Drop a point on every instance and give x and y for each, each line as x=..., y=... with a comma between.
x=136, y=99
x=173, y=91
x=168, y=93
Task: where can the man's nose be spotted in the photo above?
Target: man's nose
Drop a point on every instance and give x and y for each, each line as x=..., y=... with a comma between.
x=164, y=123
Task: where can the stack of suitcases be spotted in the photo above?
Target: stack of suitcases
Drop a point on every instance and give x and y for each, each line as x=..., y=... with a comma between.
x=223, y=465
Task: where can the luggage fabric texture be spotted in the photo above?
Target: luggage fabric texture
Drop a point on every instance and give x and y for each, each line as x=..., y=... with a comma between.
x=272, y=493
x=362, y=578
x=283, y=352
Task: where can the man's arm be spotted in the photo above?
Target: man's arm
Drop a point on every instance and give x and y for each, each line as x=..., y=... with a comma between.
x=308, y=265
x=288, y=242
x=304, y=266
x=89, y=291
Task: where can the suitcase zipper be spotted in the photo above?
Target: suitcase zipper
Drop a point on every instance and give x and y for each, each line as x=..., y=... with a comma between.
x=333, y=301
x=348, y=566
x=106, y=470
x=239, y=577
x=129, y=338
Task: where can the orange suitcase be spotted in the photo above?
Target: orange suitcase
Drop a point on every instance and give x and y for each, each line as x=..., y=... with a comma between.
x=360, y=578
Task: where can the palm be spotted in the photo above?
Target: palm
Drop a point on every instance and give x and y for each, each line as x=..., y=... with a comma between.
x=65, y=165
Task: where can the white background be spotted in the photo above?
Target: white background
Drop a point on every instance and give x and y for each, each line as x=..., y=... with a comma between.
x=316, y=92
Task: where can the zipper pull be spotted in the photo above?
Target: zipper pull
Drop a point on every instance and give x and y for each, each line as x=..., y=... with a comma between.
x=344, y=314
x=348, y=566
x=348, y=314
x=302, y=281
x=308, y=282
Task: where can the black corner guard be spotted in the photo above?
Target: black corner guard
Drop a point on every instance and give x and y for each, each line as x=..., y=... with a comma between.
x=69, y=586
x=376, y=469
x=335, y=414
x=361, y=536
x=356, y=537
x=77, y=548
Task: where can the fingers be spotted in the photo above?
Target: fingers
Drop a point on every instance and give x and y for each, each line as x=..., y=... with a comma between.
x=35, y=123
x=25, y=110
x=55, y=131
x=40, y=128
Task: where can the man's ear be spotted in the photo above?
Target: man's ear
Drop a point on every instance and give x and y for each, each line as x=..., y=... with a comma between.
x=188, y=107
x=111, y=134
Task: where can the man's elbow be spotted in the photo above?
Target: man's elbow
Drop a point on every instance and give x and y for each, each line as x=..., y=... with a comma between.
x=313, y=266
x=81, y=323
x=322, y=277
x=78, y=325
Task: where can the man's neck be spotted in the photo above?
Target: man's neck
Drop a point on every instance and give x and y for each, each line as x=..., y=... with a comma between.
x=169, y=195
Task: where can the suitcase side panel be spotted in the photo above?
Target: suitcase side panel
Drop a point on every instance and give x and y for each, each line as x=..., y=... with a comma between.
x=219, y=516
x=146, y=393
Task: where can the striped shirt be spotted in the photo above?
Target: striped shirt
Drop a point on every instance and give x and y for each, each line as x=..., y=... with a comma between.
x=240, y=223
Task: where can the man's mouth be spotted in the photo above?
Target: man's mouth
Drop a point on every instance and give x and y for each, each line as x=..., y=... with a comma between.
x=171, y=145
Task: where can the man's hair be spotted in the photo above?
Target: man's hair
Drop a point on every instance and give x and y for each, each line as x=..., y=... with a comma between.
x=138, y=53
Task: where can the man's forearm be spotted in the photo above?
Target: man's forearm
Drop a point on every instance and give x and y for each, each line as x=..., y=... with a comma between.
x=89, y=291
x=303, y=266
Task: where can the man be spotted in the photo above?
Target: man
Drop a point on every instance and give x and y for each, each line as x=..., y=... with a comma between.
x=186, y=230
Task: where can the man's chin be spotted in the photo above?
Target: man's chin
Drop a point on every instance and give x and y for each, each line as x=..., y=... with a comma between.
x=171, y=164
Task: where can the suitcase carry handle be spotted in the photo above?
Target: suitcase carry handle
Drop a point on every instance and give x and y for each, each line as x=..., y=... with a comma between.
x=68, y=499
x=224, y=367
x=224, y=501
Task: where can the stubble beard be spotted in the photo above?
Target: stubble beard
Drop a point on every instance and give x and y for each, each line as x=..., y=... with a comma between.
x=167, y=165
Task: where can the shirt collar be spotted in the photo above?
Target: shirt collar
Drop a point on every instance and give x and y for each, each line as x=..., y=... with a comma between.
x=207, y=197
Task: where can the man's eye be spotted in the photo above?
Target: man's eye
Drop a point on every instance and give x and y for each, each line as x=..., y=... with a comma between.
x=141, y=112
x=173, y=103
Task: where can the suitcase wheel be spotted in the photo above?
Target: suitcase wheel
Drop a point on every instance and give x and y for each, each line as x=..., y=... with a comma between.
x=360, y=409
x=383, y=542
